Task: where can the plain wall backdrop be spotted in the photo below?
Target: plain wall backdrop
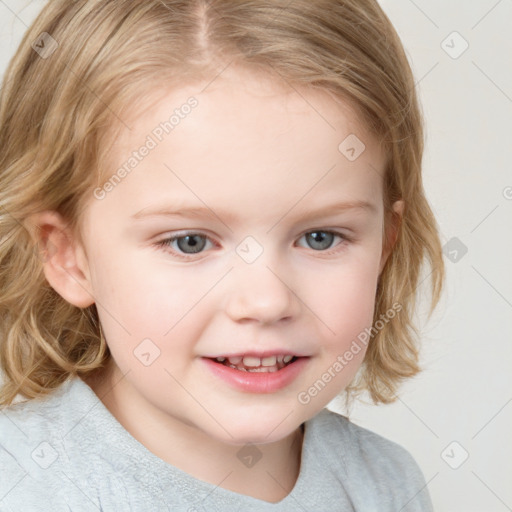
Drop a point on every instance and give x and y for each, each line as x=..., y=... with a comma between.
x=455, y=417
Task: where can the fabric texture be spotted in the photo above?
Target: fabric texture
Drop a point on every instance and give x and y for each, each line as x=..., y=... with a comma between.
x=68, y=453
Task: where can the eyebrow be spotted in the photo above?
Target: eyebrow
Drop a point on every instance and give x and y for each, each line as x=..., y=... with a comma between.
x=205, y=212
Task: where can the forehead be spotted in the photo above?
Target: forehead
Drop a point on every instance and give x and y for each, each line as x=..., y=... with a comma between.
x=248, y=140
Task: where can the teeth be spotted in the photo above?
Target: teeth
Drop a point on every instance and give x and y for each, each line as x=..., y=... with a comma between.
x=252, y=361
x=263, y=369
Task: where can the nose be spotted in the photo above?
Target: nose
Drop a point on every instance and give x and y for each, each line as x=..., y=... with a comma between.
x=258, y=293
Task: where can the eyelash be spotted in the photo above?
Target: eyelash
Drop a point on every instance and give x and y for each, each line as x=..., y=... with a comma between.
x=166, y=242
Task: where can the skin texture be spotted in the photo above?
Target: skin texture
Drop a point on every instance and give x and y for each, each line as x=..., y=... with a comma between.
x=259, y=156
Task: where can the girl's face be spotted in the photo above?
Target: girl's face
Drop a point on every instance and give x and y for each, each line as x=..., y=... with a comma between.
x=250, y=230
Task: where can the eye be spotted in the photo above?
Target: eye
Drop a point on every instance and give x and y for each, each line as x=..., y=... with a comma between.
x=186, y=244
x=320, y=240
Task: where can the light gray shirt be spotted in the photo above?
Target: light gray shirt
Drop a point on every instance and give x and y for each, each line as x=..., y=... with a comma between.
x=68, y=453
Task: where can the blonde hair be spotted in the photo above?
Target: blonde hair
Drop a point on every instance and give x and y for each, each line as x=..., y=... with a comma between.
x=57, y=117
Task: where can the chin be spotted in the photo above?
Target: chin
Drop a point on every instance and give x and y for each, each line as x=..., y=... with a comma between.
x=257, y=428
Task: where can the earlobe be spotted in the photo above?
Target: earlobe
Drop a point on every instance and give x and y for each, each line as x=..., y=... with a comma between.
x=63, y=259
x=392, y=231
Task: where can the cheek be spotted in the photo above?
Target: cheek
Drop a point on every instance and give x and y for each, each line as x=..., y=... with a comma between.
x=133, y=290
x=137, y=301
x=346, y=305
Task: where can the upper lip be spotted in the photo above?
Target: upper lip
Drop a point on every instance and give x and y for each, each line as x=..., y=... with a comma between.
x=261, y=355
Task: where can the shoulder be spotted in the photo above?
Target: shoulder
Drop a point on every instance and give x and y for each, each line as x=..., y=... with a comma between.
x=380, y=451
x=23, y=422
x=31, y=461
x=372, y=464
x=353, y=441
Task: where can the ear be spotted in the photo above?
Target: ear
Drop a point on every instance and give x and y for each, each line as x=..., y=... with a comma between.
x=391, y=234
x=64, y=261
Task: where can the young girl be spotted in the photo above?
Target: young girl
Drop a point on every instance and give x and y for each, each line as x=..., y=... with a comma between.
x=212, y=224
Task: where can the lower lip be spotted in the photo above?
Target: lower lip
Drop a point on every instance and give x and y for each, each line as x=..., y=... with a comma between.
x=258, y=382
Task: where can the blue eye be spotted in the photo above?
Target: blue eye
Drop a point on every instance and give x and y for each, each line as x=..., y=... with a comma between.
x=195, y=243
x=191, y=243
x=320, y=240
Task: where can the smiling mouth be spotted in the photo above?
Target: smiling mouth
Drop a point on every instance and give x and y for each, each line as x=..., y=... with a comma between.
x=253, y=364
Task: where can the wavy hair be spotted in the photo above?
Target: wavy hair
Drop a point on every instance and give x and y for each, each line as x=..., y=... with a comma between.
x=83, y=64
